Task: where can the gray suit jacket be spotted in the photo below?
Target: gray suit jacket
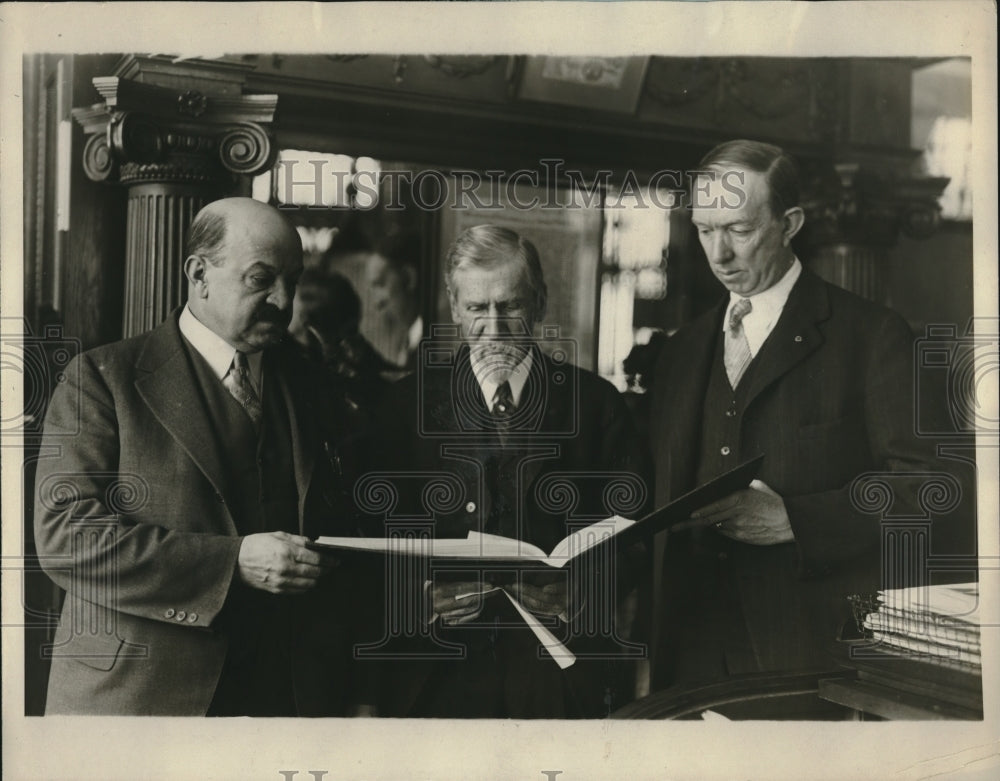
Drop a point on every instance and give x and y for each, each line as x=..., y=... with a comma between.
x=133, y=521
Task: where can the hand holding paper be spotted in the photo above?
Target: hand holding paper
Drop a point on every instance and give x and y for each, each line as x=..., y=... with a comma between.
x=550, y=599
x=459, y=602
x=547, y=594
x=470, y=597
x=755, y=515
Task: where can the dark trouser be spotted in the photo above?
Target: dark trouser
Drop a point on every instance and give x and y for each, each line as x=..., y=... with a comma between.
x=502, y=676
x=256, y=678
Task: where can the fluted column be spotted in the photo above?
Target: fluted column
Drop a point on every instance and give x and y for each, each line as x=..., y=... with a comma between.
x=175, y=151
x=854, y=267
x=157, y=223
x=855, y=213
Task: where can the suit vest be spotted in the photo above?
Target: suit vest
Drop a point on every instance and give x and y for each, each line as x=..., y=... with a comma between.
x=256, y=679
x=722, y=418
x=260, y=475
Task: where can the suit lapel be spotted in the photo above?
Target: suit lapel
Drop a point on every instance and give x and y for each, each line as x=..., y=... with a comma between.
x=303, y=454
x=555, y=407
x=795, y=335
x=683, y=406
x=452, y=401
x=452, y=397
x=167, y=385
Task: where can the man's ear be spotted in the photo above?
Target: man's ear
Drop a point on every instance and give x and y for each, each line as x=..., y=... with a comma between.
x=453, y=303
x=194, y=269
x=794, y=219
x=541, y=306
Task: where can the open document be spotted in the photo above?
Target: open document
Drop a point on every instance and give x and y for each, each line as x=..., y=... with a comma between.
x=480, y=548
x=489, y=547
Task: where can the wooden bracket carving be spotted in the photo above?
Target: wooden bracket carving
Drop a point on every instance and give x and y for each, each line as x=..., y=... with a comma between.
x=145, y=132
x=858, y=204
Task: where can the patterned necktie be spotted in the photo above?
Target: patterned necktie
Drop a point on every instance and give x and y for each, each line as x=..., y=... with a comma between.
x=502, y=516
x=737, y=350
x=503, y=401
x=237, y=382
x=503, y=409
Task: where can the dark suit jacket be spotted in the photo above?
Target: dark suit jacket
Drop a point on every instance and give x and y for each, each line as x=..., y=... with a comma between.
x=133, y=521
x=830, y=397
x=575, y=443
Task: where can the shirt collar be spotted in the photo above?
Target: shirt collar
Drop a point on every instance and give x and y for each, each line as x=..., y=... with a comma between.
x=416, y=333
x=518, y=378
x=767, y=305
x=216, y=351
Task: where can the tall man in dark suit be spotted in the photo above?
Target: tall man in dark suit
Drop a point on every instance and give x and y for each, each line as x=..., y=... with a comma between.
x=190, y=470
x=815, y=378
x=531, y=446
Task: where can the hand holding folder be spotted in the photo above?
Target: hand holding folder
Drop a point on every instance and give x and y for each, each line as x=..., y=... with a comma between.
x=754, y=515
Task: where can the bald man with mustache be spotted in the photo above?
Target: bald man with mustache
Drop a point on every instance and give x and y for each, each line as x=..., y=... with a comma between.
x=198, y=595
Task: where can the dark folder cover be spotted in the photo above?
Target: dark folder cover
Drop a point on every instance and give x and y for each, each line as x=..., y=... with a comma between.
x=680, y=509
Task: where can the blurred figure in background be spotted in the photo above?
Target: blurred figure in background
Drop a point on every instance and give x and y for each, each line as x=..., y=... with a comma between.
x=325, y=318
x=641, y=361
x=639, y=367
x=392, y=276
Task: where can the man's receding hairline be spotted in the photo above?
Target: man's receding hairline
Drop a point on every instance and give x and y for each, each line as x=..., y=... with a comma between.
x=227, y=213
x=228, y=208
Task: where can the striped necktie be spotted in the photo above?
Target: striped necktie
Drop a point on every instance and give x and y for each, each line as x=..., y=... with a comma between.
x=737, y=350
x=237, y=382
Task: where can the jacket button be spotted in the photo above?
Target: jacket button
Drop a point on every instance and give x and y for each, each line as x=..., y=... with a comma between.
x=725, y=450
x=169, y=612
x=181, y=615
x=730, y=413
x=192, y=617
x=798, y=338
x=470, y=507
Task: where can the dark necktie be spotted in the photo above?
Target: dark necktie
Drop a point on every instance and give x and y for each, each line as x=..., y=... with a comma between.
x=501, y=518
x=237, y=382
x=737, y=349
x=503, y=402
x=503, y=409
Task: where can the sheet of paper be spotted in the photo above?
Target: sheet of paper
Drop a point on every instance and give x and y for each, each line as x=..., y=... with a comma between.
x=489, y=590
x=956, y=600
x=475, y=546
x=559, y=652
x=586, y=538
x=492, y=546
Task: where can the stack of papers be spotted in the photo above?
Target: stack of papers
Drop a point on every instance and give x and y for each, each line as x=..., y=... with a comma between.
x=935, y=624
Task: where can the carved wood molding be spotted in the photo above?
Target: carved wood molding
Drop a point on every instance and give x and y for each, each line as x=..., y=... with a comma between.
x=799, y=87
x=167, y=103
x=678, y=83
x=464, y=66
x=126, y=146
x=145, y=132
x=853, y=203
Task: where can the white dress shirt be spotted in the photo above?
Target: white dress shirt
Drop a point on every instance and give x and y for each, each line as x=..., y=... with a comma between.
x=485, y=372
x=767, y=306
x=216, y=351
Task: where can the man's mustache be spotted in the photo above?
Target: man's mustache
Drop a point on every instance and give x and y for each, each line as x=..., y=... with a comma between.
x=502, y=347
x=271, y=314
